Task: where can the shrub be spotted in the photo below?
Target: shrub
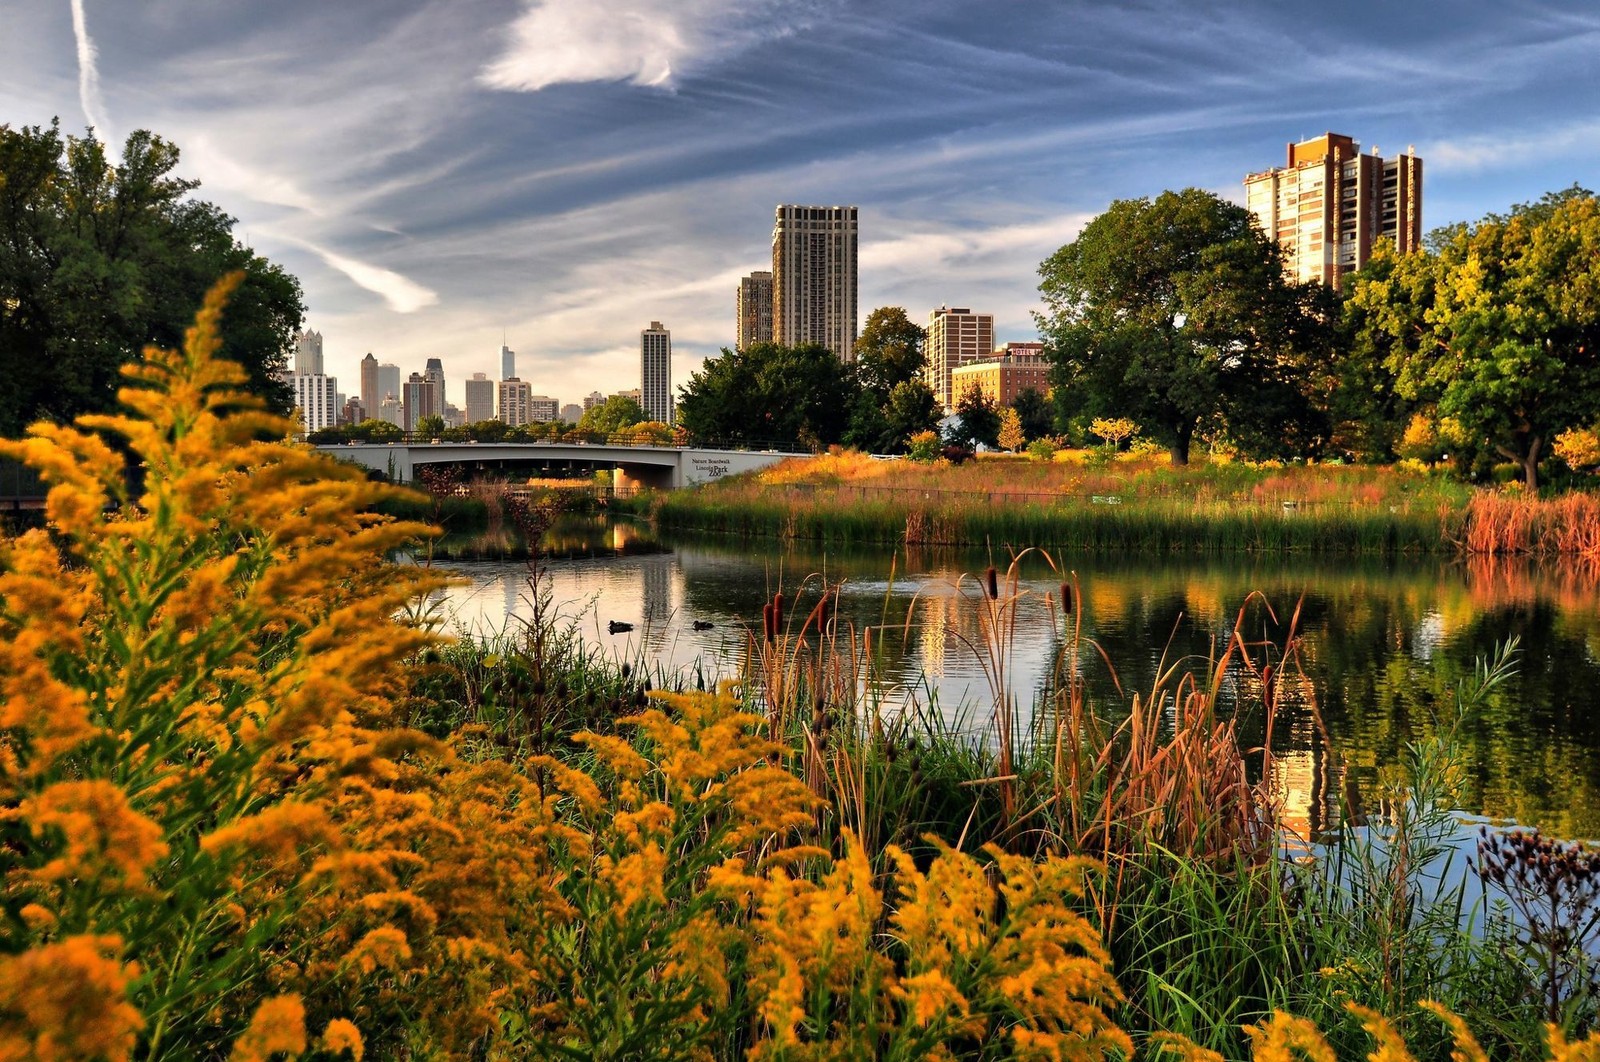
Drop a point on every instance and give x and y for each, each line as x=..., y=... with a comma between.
x=1042, y=449
x=925, y=447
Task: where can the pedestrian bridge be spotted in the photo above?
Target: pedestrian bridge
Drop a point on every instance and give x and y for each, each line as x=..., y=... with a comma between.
x=658, y=467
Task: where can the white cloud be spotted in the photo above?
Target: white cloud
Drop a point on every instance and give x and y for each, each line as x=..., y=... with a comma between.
x=646, y=42
x=94, y=110
x=1499, y=152
x=403, y=294
x=218, y=170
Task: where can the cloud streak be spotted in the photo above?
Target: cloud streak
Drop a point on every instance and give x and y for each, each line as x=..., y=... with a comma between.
x=402, y=294
x=94, y=111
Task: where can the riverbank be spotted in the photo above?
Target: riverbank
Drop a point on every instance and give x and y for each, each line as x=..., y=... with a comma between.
x=1140, y=505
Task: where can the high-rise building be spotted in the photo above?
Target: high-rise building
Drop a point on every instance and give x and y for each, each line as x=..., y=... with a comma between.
x=392, y=411
x=480, y=398
x=508, y=363
x=371, y=395
x=454, y=415
x=308, y=353
x=1330, y=205
x=316, y=396
x=351, y=411
x=814, y=278
x=572, y=413
x=655, y=372
x=515, y=397
x=434, y=371
x=543, y=408
x=388, y=380
x=955, y=337
x=752, y=308
x=417, y=394
x=592, y=399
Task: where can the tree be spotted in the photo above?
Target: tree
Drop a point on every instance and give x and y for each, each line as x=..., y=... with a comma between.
x=614, y=414
x=1177, y=311
x=1035, y=413
x=98, y=261
x=1114, y=430
x=912, y=408
x=431, y=425
x=1010, y=436
x=768, y=392
x=889, y=350
x=1496, y=326
x=980, y=419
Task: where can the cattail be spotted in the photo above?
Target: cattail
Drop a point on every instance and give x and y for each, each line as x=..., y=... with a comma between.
x=777, y=613
x=1066, y=597
x=991, y=579
x=767, y=626
x=1266, y=687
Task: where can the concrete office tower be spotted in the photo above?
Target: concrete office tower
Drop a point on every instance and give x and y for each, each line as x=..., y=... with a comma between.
x=814, y=278
x=317, y=398
x=308, y=353
x=508, y=363
x=1330, y=205
x=572, y=413
x=371, y=392
x=388, y=380
x=480, y=398
x=392, y=411
x=417, y=394
x=542, y=408
x=655, y=372
x=752, y=309
x=955, y=337
x=515, y=398
x=434, y=371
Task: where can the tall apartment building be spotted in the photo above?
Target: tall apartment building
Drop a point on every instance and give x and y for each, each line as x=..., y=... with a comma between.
x=1330, y=204
x=814, y=277
x=515, y=398
x=434, y=371
x=592, y=399
x=480, y=398
x=655, y=372
x=1005, y=374
x=956, y=336
x=351, y=411
x=308, y=353
x=508, y=363
x=370, y=395
x=752, y=310
x=392, y=411
x=316, y=396
x=572, y=413
x=417, y=396
x=388, y=380
x=543, y=409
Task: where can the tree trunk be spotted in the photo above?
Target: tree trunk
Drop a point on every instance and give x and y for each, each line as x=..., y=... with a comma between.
x=1530, y=465
x=1181, y=438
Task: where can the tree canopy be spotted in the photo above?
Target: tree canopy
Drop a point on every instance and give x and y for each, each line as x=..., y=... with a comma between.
x=99, y=260
x=614, y=414
x=768, y=392
x=1177, y=312
x=1494, y=330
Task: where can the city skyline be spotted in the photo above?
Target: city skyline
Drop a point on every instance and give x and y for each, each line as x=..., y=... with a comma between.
x=393, y=172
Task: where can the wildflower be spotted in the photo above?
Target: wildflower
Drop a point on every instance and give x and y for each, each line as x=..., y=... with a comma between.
x=1391, y=1048
x=384, y=948
x=68, y=1000
x=278, y=1027
x=103, y=836
x=1466, y=1047
x=340, y=1036
x=1279, y=1039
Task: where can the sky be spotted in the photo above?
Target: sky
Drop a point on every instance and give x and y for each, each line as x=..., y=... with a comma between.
x=560, y=173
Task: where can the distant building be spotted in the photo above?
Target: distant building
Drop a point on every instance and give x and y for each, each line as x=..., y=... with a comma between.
x=308, y=353
x=572, y=413
x=955, y=337
x=594, y=398
x=752, y=308
x=655, y=372
x=1330, y=204
x=515, y=398
x=635, y=394
x=1005, y=374
x=371, y=391
x=543, y=409
x=508, y=363
x=814, y=277
x=480, y=398
x=434, y=371
x=317, y=398
x=454, y=416
x=418, y=395
x=388, y=380
x=391, y=410
x=352, y=412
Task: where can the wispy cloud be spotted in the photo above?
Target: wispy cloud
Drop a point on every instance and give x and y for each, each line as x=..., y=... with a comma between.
x=1478, y=153
x=402, y=294
x=94, y=111
x=644, y=42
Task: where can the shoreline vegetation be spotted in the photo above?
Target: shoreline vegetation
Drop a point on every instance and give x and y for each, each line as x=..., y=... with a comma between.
x=1135, y=505
x=256, y=808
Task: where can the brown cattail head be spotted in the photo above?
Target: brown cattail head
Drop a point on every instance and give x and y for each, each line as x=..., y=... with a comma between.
x=1066, y=597
x=1266, y=687
x=991, y=582
x=767, y=626
x=777, y=613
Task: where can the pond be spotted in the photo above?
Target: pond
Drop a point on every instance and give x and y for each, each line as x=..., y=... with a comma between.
x=1383, y=644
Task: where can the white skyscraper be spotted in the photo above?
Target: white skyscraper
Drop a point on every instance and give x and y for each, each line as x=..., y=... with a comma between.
x=317, y=398
x=388, y=380
x=814, y=278
x=515, y=398
x=508, y=363
x=655, y=372
x=480, y=398
x=308, y=353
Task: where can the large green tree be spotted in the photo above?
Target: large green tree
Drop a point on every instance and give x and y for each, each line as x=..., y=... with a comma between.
x=1496, y=326
x=99, y=259
x=614, y=414
x=889, y=350
x=889, y=362
x=768, y=392
x=1177, y=312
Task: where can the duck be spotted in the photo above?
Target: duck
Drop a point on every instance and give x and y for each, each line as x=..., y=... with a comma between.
x=703, y=625
x=618, y=627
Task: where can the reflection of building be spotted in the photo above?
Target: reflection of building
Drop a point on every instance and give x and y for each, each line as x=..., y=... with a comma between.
x=753, y=310
x=655, y=373
x=1330, y=205
x=1005, y=374
x=655, y=588
x=814, y=278
x=955, y=337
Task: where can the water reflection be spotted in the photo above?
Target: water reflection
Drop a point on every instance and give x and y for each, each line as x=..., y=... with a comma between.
x=1384, y=645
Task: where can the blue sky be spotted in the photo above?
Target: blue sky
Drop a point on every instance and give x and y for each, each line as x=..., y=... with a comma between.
x=566, y=171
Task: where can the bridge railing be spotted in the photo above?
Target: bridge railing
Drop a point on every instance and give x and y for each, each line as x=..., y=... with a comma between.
x=342, y=437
